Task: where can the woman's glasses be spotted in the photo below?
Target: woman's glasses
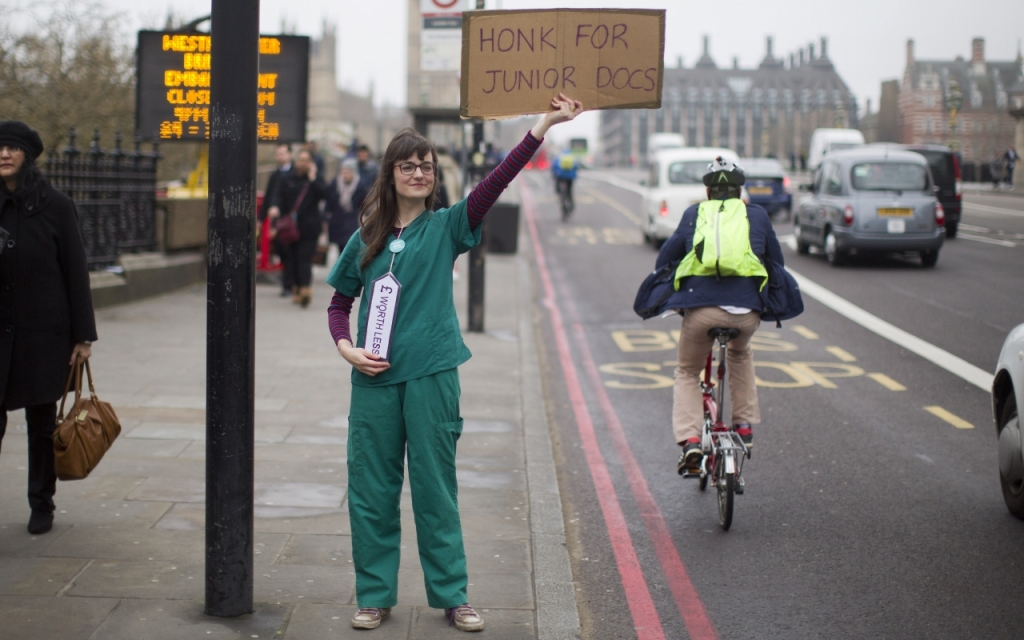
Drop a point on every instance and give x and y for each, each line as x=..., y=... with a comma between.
x=409, y=168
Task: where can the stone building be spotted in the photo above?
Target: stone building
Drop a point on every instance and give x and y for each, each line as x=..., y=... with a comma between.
x=931, y=88
x=767, y=111
x=337, y=116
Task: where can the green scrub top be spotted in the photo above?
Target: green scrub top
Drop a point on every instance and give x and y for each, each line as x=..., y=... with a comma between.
x=426, y=337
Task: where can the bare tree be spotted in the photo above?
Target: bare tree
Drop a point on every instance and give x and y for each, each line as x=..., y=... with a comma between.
x=63, y=64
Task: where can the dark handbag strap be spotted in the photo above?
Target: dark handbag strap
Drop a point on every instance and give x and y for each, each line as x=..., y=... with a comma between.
x=74, y=374
x=298, y=202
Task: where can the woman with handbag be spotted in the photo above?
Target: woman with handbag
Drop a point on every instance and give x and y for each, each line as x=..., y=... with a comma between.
x=405, y=379
x=46, y=315
x=299, y=193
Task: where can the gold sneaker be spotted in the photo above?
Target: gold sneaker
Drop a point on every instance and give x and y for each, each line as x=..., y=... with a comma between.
x=369, y=617
x=464, y=618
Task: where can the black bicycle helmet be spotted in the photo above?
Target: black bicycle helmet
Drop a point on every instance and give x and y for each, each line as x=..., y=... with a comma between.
x=724, y=172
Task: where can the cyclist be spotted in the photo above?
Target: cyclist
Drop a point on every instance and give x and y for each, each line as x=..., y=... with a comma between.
x=564, y=170
x=722, y=246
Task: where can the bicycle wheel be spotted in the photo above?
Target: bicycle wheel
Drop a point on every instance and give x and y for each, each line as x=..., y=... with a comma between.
x=726, y=485
x=566, y=209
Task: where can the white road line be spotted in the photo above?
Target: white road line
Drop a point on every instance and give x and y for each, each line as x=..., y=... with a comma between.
x=998, y=243
x=987, y=209
x=973, y=229
x=954, y=364
x=615, y=181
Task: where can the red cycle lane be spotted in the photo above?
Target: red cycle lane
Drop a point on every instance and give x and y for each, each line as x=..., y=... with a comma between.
x=641, y=605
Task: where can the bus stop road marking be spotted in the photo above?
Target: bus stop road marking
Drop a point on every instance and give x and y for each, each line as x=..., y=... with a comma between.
x=951, y=418
x=842, y=354
x=805, y=332
x=887, y=382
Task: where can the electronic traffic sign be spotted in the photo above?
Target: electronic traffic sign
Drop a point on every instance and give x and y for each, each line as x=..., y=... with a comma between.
x=173, y=87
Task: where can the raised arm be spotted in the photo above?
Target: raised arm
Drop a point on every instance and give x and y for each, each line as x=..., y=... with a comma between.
x=483, y=197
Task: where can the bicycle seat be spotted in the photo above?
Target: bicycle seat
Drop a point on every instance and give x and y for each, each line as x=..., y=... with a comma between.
x=718, y=332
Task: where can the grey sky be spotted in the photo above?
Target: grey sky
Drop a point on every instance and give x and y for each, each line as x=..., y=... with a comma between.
x=866, y=38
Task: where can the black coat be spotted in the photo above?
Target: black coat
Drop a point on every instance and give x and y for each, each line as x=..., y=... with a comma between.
x=286, y=194
x=341, y=224
x=45, y=300
x=268, y=195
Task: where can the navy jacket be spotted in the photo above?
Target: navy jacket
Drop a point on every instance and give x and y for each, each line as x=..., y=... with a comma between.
x=711, y=291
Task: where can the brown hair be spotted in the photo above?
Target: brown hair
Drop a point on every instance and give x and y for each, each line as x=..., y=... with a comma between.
x=379, y=213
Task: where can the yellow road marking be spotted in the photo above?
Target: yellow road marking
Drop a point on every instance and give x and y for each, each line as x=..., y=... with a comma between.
x=842, y=354
x=887, y=382
x=805, y=332
x=796, y=380
x=952, y=419
x=820, y=372
x=618, y=206
x=644, y=371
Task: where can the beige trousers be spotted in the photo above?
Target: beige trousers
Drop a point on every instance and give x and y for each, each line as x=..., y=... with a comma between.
x=694, y=345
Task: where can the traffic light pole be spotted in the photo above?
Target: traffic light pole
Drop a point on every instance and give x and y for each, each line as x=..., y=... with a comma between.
x=230, y=310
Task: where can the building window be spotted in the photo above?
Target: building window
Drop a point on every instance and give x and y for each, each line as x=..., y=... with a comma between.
x=929, y=101
x=928, y=125
x=741, y=129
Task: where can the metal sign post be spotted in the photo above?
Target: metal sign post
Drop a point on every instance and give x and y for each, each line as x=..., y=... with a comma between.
x=230, y=311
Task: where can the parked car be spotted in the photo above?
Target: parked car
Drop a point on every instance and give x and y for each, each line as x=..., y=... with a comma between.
x=1007, y=398
x=945, y=167
x=825, y=141
x=871, y=199
x=768, y=184
x=674, y=182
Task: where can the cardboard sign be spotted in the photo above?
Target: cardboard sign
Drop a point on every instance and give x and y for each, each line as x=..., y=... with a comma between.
x=514, y=62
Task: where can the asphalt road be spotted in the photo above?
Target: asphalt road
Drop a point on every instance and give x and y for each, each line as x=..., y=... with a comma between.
x=865, y=515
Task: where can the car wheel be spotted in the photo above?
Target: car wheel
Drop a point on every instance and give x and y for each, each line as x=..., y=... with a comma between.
x=834, y=256
x=1011, y=464
x=929, y=258
x=951, y=229
x=801, y=245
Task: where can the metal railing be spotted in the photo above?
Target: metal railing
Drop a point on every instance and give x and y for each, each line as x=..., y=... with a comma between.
x=115, y=193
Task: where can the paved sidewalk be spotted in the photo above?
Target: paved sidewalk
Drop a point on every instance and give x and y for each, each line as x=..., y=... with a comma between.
x=125, y=557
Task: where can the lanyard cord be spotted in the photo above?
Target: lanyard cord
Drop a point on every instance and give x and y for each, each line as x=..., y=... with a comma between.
x=398, y=237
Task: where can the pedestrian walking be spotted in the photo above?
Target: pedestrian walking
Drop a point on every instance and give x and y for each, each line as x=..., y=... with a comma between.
x=367, y=172
x=405, y=380
x=299, y=195
x=342, y=212
x=283, y=157
x=1010, y=160
x=45, y=305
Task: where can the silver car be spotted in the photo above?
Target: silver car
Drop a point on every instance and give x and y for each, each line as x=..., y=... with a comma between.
x=868, y=200
x=1007, y=396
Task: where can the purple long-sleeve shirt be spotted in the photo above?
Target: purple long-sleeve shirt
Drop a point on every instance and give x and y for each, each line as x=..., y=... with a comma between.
x=480, y=201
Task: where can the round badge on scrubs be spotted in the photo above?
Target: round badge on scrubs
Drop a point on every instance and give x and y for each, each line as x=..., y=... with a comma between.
x=397, y=245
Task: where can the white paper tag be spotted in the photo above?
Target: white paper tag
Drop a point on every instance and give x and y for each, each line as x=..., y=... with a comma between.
x=381, y=321
x=897, y=226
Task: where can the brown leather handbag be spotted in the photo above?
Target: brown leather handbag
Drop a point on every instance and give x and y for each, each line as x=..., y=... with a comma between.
x=81, y=439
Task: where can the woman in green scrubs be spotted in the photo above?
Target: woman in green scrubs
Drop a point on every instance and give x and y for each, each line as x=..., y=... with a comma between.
x=405, y=381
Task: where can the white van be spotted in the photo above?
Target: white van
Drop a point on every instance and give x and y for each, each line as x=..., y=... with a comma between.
x=675, y=181
x=825, y=141
x=658, y=141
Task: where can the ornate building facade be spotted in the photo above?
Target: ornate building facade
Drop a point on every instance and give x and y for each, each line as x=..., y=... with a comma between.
x=973, y=94
x=767, y=111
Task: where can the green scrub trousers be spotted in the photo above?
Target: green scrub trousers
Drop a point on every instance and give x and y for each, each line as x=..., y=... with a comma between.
x=421, y=416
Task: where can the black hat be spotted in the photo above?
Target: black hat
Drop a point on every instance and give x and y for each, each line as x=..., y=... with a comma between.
x=18, y=134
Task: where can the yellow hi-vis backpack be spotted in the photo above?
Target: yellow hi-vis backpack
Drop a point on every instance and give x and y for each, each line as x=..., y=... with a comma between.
x=721, y=244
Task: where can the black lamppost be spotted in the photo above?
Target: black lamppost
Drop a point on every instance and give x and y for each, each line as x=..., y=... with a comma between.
x=230, y=309
x=954, y=101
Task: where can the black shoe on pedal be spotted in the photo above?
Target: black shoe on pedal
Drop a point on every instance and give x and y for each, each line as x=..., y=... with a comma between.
x=690, y=458
x=746, y=434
